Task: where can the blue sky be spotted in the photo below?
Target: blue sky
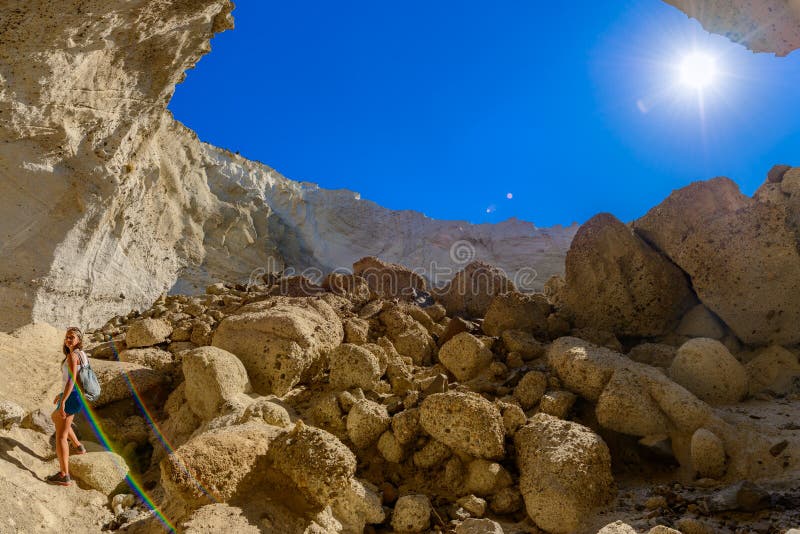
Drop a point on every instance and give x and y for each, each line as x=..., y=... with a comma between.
x=447, y=107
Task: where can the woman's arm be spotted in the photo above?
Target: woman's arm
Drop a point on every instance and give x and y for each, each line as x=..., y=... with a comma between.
x=73, y=372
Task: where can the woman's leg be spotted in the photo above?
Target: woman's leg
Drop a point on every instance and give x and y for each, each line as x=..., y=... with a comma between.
x=65, y=443
x=60, y=440
x=73, y=437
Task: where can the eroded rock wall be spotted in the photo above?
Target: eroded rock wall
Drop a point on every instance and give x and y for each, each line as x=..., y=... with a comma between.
x=760, y=25
x=107, y=201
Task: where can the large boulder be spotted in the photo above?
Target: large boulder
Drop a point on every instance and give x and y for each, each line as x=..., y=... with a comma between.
x=213, y=377
x=465, y=356
x=408, y=335
x=472, y=289
x=625, y=406
x=389, y=280
x=359, y=506
x=101, y=470
x=516, y=311
x=774, y=369
x=147, y=332
x=366, y=421
x=565, y=472
x=212, y=466
x=706, y=368
x=121, y=380
x=317, y=463
x=152, y=357
x=280, y=340
x=740, y=254
x=617, y=282
x=353, y=366
x=465, y=422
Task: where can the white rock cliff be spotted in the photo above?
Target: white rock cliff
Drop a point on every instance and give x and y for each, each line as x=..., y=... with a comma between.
x=107, y=201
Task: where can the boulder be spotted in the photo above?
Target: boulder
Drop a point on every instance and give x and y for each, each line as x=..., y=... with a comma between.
x=465, y=422
x=213, y=377
x=700, y=322
x=366, y=421
x=408, y=336
x=583, y=367
x=102, y=470
x=212, y=466
x=472, y=289
x=390, y=448
x=360, y=505
x=557, y=403
x=523, y=343
x=530, y=389
x=280, y=340
x=319, y=465
x=634, y=290
x=118, y=379
x=775, y=174
x=486, y=478
x=10, y=414
x=565, y=472
x=412, y=514
x=147, y=332
x=465, y=356
x=389, y=280
x=708, y=454
x=626, y=406
x=506, y=501
x=774, y=369
x=707, y=369
x=516, y=311
x=405, y=425
x=266, y=410
x=40, y=421
x=356, y=330
x=716, y=235
x=353, y=366
x=152, y=357
x=432, y=454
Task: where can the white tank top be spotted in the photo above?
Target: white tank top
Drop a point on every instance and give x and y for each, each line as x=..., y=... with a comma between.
x=65, y=367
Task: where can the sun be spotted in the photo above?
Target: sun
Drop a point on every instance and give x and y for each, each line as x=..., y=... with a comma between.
x=698, y=70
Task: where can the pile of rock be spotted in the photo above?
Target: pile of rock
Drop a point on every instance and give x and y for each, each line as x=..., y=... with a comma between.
x=368, y=400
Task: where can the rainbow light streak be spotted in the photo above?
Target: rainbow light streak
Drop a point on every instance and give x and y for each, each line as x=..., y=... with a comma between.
x=94, y=422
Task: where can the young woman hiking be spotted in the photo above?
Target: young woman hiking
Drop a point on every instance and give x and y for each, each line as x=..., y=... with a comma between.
x=68, y=404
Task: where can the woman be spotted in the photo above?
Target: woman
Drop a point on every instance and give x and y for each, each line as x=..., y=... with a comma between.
x=66, y=409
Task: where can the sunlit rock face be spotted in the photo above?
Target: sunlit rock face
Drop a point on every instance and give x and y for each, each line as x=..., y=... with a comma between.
x=760, y=25
x=107, y=201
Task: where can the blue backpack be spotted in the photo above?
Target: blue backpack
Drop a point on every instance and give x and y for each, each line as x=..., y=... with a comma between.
x=90, y=386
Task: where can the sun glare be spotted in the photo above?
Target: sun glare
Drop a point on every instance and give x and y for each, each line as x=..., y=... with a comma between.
x=698, y=70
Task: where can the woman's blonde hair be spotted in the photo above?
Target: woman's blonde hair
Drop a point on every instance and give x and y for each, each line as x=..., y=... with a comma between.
x=78, y=333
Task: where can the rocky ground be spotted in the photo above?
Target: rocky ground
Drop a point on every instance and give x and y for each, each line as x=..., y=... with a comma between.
x=615, y=401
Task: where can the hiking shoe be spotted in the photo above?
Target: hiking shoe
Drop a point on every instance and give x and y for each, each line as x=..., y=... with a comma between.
x=58, y=478
x=80, y=449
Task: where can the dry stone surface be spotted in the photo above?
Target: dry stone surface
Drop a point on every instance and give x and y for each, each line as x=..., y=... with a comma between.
x=565, y=471
x=635, y=290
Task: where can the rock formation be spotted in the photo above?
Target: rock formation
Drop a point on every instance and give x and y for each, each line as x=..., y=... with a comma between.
x=760, y=25
x=109, y=202
x=375, y=405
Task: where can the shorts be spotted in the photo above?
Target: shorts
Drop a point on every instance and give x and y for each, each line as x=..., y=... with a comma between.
x=74, y=403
